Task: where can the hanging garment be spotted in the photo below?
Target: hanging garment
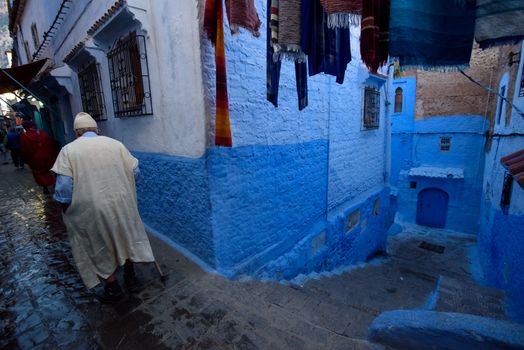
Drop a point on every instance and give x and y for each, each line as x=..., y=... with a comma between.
x=243, y=14
x=285, y=25
x=432, y=34
x=374, y=39
x=328, y=50
x=273, y=66
x=499, y=22
x=214, y=27
x=342, y=13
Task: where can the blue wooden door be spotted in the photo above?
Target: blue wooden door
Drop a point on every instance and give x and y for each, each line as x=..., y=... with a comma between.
x=432, y=207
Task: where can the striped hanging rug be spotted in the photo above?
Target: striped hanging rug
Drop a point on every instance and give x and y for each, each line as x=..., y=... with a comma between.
x=214, y=27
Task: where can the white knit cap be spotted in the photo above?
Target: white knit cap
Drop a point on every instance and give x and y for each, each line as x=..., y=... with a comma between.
x=83, y=121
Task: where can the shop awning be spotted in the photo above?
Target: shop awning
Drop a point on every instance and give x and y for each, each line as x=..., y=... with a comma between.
x=514, y=163
x=23, y=74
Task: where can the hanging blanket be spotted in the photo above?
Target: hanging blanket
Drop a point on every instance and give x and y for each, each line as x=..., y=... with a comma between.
x=214, y=27
x=499, y=22
x=432, y=34
x=273, y=66
x=328, y=49
x=374, y=39
x=342, y=13
x=285, y=30
x=243, y=14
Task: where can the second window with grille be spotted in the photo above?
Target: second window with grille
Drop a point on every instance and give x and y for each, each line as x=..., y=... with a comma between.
x=91, y=91
x=371, y=115
x=129, y=76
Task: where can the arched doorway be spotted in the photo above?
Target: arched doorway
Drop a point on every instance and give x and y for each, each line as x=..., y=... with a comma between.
x=432, y=207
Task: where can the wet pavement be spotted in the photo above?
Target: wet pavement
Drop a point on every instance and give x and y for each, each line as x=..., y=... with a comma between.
x=44, y=305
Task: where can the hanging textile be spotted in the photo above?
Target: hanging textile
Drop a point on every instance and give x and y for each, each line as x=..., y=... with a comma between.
x=243, y=14
x=499, y=22
x=214, y=27
x=374, y=35
x=342, y=13
x=432, y=34
x=285, y=30
x=328, y=50
x=273, y=61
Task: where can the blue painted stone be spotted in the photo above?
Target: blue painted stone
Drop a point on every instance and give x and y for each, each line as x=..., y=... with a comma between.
x=417, y=329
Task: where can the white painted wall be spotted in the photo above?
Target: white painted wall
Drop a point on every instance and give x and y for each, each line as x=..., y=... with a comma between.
x=178, y=125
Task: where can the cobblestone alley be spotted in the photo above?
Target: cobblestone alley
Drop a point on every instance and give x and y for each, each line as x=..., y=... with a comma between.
x=44, y=305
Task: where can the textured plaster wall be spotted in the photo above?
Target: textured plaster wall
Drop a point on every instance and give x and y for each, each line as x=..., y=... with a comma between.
x=265, y=199
x=173, y=199
x=178, y=124
x=501, y=236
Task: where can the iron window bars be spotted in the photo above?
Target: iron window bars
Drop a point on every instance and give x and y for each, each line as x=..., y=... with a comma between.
x=91, y=91
x=129, y=76
x=445, y=144
x=371, y=108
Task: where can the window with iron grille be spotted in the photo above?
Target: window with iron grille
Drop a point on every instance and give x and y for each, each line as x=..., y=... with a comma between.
x=129, y=74
x=91, y=91
x=445, y=144
x=502, y=104
x=371, y=108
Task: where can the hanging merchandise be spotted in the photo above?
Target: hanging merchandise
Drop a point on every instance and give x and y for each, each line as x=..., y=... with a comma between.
x=243, y=14
x=432, y=34
x=283, y=41
x=214, y=27
x=285, y=30
x=499, y=22
x=328, y=50
x=374, y=38
x=342, y=13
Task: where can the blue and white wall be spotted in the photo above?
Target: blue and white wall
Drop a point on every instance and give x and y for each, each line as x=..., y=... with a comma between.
x=416, y=143
x=501, y=236
x=274, y=205
x=280, y=197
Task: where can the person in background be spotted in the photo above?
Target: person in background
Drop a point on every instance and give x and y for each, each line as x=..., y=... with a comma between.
x=96, y=185
x=39, y=151
x=12, y=143
x=3, y=149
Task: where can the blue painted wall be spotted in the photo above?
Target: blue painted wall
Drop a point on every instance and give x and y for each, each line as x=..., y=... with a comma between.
x=402, y=126
x=467, y=153
x=265, y=199
x=416, y=143
x=275, y=205
x=501, y=236
x=173, y=199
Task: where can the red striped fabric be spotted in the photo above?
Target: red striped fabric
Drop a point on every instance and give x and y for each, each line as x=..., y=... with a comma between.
x=214, y=27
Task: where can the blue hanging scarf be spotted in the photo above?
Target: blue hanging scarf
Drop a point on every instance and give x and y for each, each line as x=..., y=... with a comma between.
x=432, y=34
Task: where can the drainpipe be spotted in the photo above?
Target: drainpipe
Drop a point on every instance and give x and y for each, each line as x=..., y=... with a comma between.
x=387, y=128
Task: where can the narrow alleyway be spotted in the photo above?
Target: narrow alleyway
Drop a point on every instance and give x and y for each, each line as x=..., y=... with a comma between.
x=44, y=304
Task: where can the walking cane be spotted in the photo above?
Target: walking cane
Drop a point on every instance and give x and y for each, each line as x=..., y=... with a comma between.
x=163, y=277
